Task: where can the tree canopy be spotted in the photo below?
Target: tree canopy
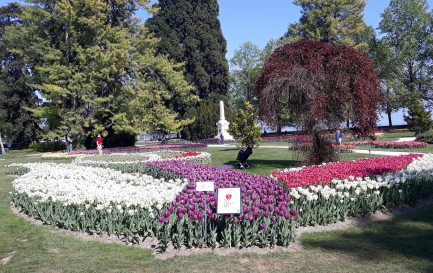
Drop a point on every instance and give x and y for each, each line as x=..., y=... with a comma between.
x=246, y=64
x=97, y=69
x=335, y=21
x=190, y=32
x=321, y=85
x=407, y=27
x=16, y=96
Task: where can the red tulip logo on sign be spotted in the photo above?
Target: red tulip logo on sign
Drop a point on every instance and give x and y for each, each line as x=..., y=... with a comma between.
x=227, y=202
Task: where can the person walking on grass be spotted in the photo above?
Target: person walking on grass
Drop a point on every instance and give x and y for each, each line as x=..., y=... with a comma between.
x=338, y=137
x=99, y=140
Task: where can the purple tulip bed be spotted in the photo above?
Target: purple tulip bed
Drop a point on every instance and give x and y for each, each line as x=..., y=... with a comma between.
x=266, y=218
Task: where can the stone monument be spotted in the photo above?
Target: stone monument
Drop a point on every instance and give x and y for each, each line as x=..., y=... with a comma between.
x=223, y=124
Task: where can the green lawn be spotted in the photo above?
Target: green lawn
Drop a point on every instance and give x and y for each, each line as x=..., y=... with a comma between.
x=264, y=160
x=396, y=136
x=402, y=245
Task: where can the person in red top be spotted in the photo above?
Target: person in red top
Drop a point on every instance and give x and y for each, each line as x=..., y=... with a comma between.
x=99, y=140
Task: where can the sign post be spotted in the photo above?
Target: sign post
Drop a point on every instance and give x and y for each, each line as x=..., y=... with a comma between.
x=205, y=186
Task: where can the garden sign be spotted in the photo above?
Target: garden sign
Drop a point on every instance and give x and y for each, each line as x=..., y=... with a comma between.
x=229, y=201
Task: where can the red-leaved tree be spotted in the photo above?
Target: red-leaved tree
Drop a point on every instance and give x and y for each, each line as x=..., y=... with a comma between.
x=321, y=85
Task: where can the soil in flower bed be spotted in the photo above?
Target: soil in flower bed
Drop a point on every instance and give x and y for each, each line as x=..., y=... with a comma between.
x=341, y=170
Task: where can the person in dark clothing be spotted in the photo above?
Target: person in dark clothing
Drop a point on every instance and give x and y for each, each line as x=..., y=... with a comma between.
x=243, y=157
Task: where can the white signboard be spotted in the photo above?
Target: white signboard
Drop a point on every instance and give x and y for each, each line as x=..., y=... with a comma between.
x=229, y=201
x=204, y=186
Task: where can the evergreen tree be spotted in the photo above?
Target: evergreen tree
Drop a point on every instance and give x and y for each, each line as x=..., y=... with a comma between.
x=244, y=126
x=98, y=69
x=190, y=32
x=418, y=118
x=335, y=21
x=16, y=122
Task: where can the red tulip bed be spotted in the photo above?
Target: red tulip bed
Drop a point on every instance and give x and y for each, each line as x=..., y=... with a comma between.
x=187, y=154
x=331, y=192
x=399, y=145
x=324, y=174
x=267, y=218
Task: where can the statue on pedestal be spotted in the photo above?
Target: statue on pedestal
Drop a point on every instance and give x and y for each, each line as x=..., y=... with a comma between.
x=223, y=126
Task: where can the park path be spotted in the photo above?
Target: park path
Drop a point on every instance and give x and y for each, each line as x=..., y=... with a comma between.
x=406, y=139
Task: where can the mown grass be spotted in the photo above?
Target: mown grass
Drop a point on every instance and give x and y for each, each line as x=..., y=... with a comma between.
x=396, y=136
x=402, y=245
x=264, y=160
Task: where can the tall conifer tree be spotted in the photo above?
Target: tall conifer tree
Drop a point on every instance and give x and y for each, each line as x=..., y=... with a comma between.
x=16, y=122
x=190, y=32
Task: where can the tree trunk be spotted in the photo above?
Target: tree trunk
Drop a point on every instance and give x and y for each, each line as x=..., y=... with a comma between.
x=389, y=118
x=348, y=123
x=1, y=145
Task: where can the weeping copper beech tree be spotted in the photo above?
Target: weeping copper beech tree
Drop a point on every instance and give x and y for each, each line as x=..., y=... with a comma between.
x=321, y=85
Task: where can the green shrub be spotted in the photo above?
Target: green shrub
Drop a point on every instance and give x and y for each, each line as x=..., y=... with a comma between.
x=244, y=126
x=425, y=137
x=49, y=146
x=418, y=118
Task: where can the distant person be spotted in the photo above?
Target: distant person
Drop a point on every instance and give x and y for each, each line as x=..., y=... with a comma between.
x=222, y=138
x=99, y=140
x=68, y=144
x=338, y=137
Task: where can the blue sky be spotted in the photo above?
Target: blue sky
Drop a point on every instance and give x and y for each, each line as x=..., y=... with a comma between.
x=259, y=21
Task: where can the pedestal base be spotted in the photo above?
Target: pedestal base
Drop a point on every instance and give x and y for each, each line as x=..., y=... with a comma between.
x=223, y=127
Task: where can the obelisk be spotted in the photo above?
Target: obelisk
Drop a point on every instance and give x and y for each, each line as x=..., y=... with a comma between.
x=223, y=125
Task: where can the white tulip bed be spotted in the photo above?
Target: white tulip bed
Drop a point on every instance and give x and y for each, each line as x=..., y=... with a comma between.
x=97, y=200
